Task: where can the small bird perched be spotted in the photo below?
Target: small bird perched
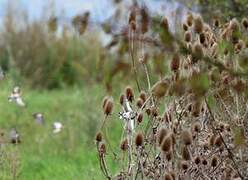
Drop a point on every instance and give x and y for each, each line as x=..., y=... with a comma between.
x=39, y=118
x=57, y=127
x=128, y=115
x=14, y=136
x=15, y=96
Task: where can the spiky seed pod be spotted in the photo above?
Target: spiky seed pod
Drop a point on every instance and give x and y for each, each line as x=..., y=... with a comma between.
x=166, y=143
x=129, y=94
x=197, y=160
x=144, y=19
x=99, y=137
x=214, y=161
x=102, y=149
x=198, y=24
x=197, y=52
x=168, y=155
x=132, y=16
x=154, y=111
x=124, y=145
x=161, y=135
x=167, y=176
x=234, y=25
x=196, y=127
x=204, y=162
x=122, y=98
x=216, y=23
x=143, y=96
x=184, y=165
x=160, y=88
x=202, y=38
x=175, y=62
x=139, y=103
x=185, y=153
x=139, y=139
x=245, y=23
x=187, y=36
x=109, y=107
x=186, y=137
x=185, y=27
x=140, y=118
x=189, y=19
x=218, y=141
x=104, y=101
x=148, y=111
x=165, y=24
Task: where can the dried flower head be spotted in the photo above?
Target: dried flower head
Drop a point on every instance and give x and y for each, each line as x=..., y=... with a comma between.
x=108, y=108
x=186, y=137
x=166, y=143
x=140, y=117
x=99, y=137
x=160, y=88
x=122, y=98
x=197, y=160
x=185, y=153
x=175, y=62
x=196, y=127
x=245, y=23
x=198, y=24
x=189, y=19
x=185, y=27
x=129, y=94
x=139, y=139
x=143, y=96
x=218, y=141
x=161, y=135
x=214, y=161
x=184, y=165
x=139, y=103
x=187, y=36
x=124, y=145
x=197, y=51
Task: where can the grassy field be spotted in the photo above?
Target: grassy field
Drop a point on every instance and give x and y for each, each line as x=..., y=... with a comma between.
x=70, y=154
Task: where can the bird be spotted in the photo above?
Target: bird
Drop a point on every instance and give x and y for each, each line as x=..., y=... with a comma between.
x=39, y=118
x=14, y=136
x=57, y=127
x=15, y=96
x=128, y=115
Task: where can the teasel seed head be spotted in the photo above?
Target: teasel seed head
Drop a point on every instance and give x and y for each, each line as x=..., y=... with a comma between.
x=148, y=111
x=104, y=102
x=245, y=23
x=234, y=25
x=175, y=62
x=202, y=38
x=198, y=24
x=218, y=141
x=122, y=98
x=216, y=22
x=189, y=19
x=167, y=176
x=197, y=160
x=204, y=162
x=139, y=139
x=160, y=88
x=129, y=94
x=124, y=145
x=196, y=127
x=143, y=96
x=185, y=27
x=184, y=165
x=140, y=118
x=108, y=108
x=162, y=133
x=139, y=103
x=185, y=153
x=166, y=144
x=186, y=137
x=214, y=161
x=102, y=149
x=187, y=36
x=99, y=137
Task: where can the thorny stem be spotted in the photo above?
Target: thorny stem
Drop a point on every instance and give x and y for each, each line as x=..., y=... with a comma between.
x=223, y=141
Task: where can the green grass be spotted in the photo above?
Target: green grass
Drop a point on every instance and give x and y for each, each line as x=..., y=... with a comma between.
x=70, y=154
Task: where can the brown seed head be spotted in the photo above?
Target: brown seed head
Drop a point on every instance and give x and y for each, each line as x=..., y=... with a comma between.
x=108, y=108
x=198, y=24
x=202, y=38
x=245, y=23
x=189, y=19
x=143, y=96
x=214, y=161
x=124, y=145
x=139, y=139
x=166, y=143
x=160, y=88
x=139, y=103
x=168, y=155
x=140, y=118
x=167, y=176
x=185, y=153
x=218, y=141
x=175, y=62
x=204, y=162
x=196, y=127
x=122, y=98
x=129, y=94
x=187, y=36
x=197, y=51
x=105, y=99
x=99, y=137
x=185, y=27
x=184, y=165
x=186, y=137
x=197, y=160
x=161, y=135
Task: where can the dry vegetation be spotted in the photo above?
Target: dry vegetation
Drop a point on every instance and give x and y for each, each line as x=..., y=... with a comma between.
x=192, y=123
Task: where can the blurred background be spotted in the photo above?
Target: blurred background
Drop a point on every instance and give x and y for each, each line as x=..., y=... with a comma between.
x=66, y=55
